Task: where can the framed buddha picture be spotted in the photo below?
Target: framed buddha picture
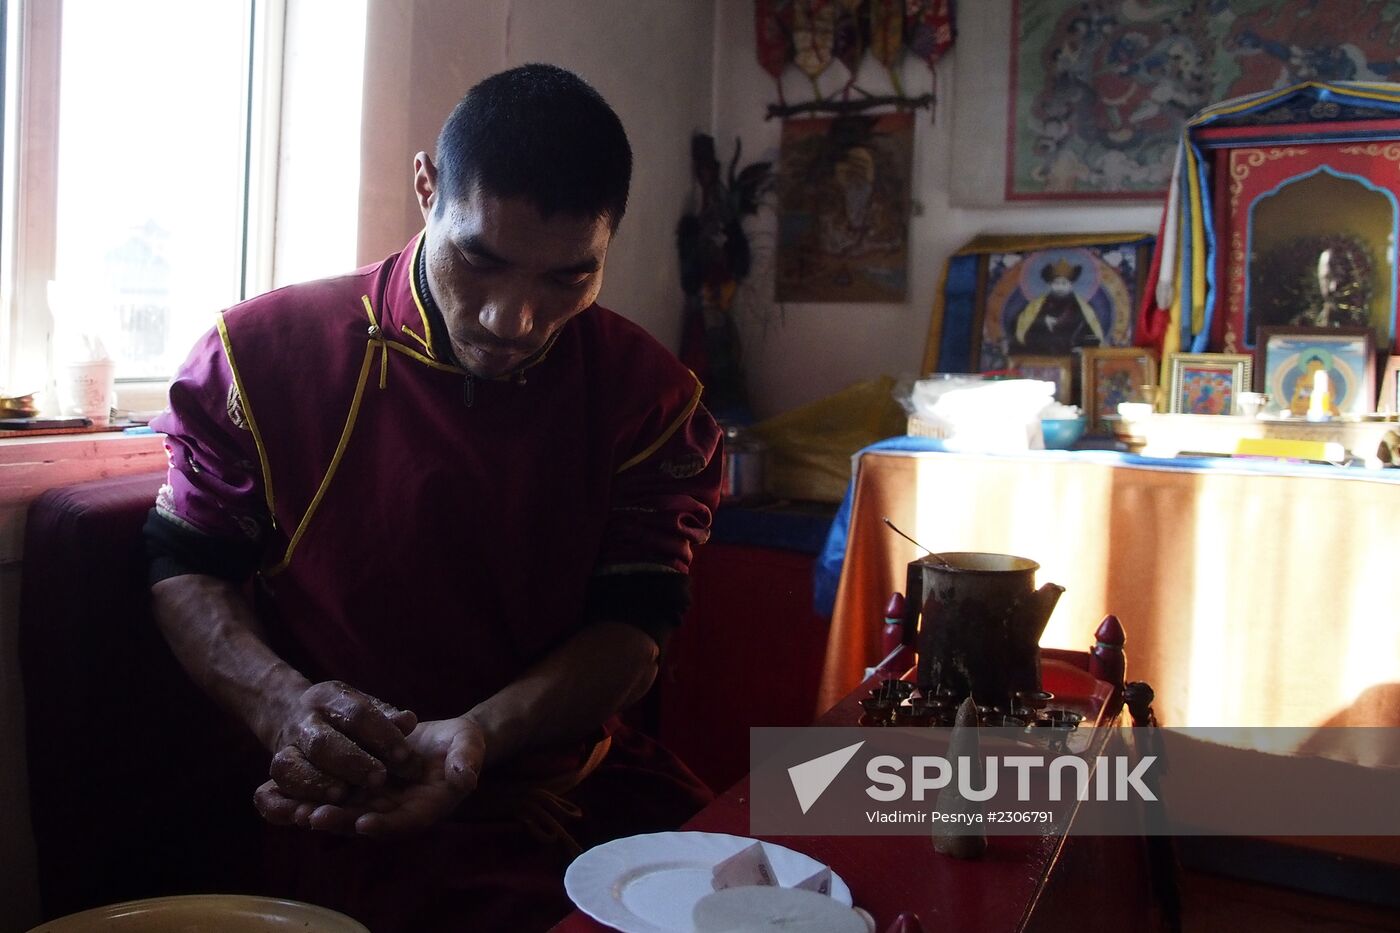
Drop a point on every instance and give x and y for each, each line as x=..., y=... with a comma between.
x=1110, y=375
x=1208, y=383
x=1058, y=370
x=1291, y=363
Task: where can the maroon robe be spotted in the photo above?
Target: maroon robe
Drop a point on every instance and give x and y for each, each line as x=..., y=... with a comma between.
x=426, y=550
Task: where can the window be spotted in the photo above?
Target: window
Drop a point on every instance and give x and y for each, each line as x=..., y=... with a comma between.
x=144, y=140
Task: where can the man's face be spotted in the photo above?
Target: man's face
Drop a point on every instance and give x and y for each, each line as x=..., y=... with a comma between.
x=1061, y=286
x=505, y=278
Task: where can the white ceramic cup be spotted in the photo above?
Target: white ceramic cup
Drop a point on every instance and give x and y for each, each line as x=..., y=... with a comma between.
x=1134, y=411
x=87, y=389
x=1251, y=403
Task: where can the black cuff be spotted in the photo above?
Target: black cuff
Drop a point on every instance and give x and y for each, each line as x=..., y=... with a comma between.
x=651, y=601
x=174, y=549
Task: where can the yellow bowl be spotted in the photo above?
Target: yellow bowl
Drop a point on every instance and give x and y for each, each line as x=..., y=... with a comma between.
x=204, y=913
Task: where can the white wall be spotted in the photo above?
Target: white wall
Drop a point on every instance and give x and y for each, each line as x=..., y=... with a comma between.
x=420, y=58
x=651, y=60
x=804, y=351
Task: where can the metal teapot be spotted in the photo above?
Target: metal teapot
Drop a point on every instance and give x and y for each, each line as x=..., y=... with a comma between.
x=975, y=620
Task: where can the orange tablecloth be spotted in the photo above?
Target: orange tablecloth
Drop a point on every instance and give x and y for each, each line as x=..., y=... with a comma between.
x=1248, y=598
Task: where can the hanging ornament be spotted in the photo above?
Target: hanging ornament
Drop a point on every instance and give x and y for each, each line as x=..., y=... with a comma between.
x=887, y=37
x=929, y=28
x=773, y=32
x=811, y=33
x=849, y=44
x=813, y=38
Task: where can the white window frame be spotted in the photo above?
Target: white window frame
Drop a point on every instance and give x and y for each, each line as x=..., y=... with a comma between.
x=27, y=261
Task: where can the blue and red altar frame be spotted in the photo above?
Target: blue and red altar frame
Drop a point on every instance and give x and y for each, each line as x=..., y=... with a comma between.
x=1237, y=155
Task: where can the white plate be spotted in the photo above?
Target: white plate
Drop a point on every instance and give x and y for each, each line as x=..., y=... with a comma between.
x=650, y=883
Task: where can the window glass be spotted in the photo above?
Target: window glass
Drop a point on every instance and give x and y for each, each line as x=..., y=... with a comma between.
x=151, y=156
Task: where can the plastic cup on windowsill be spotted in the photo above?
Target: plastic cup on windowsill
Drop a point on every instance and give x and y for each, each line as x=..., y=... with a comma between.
x=87, y=388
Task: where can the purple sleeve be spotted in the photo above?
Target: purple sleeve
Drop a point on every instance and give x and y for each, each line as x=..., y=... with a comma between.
x=663, y=498
x=214, y=483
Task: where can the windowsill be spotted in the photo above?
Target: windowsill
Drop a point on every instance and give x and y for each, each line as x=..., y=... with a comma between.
x=31, y=464
x=37, y=433
x=83, y=445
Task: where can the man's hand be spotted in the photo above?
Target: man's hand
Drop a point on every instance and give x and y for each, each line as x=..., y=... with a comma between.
x=335, y=741
x=450, y=752
x=330, y=742
x=560, y=699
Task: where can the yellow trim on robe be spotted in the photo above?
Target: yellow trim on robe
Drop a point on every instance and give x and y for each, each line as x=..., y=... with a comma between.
x=414, y=334
x=335, y=460
x=427, y=338
x=410, y=352
x=248, y=413
x=377, y=336
x=382, y=342
x=406, y=350
x=666, y=435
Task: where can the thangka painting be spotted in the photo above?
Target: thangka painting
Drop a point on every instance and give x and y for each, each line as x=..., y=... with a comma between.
x=843, y=195
x=1051, y=302
x=1100, y=90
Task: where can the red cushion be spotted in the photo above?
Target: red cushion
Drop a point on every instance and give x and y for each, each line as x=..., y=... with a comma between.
x=138, y=784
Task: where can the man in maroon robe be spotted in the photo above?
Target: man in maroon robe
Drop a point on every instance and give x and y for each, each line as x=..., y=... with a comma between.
x=467, y=496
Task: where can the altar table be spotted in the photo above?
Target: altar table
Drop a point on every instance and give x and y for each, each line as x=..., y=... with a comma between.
x=1253, y=594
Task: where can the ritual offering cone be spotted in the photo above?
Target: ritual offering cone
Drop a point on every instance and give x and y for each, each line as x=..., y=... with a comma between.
x=963, y=837
x=1107, y=660
x=906, y=923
